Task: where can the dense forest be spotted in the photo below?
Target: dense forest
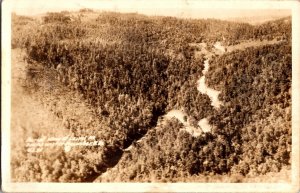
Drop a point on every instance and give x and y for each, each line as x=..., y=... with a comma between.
x=130, y=70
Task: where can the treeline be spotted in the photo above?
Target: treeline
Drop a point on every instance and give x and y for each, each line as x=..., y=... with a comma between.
x=171, y=31
x=167, y=32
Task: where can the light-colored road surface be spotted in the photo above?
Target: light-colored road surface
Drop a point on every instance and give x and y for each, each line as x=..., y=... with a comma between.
x=202, y=86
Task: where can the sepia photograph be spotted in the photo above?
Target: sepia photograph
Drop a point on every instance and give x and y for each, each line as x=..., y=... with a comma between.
x=150, y=96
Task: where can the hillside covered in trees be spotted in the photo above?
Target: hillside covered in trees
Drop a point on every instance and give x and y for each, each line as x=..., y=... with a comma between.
x=117, y=76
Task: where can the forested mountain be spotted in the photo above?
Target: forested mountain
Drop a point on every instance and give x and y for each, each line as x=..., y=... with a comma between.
x=130, y=70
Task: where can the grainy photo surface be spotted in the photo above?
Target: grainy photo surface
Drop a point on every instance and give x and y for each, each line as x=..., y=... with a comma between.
x=103, y=94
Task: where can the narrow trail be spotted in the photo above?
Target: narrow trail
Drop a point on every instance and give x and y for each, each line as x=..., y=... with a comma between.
x=181, y=116
x=202, y=86
x=204, y=89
